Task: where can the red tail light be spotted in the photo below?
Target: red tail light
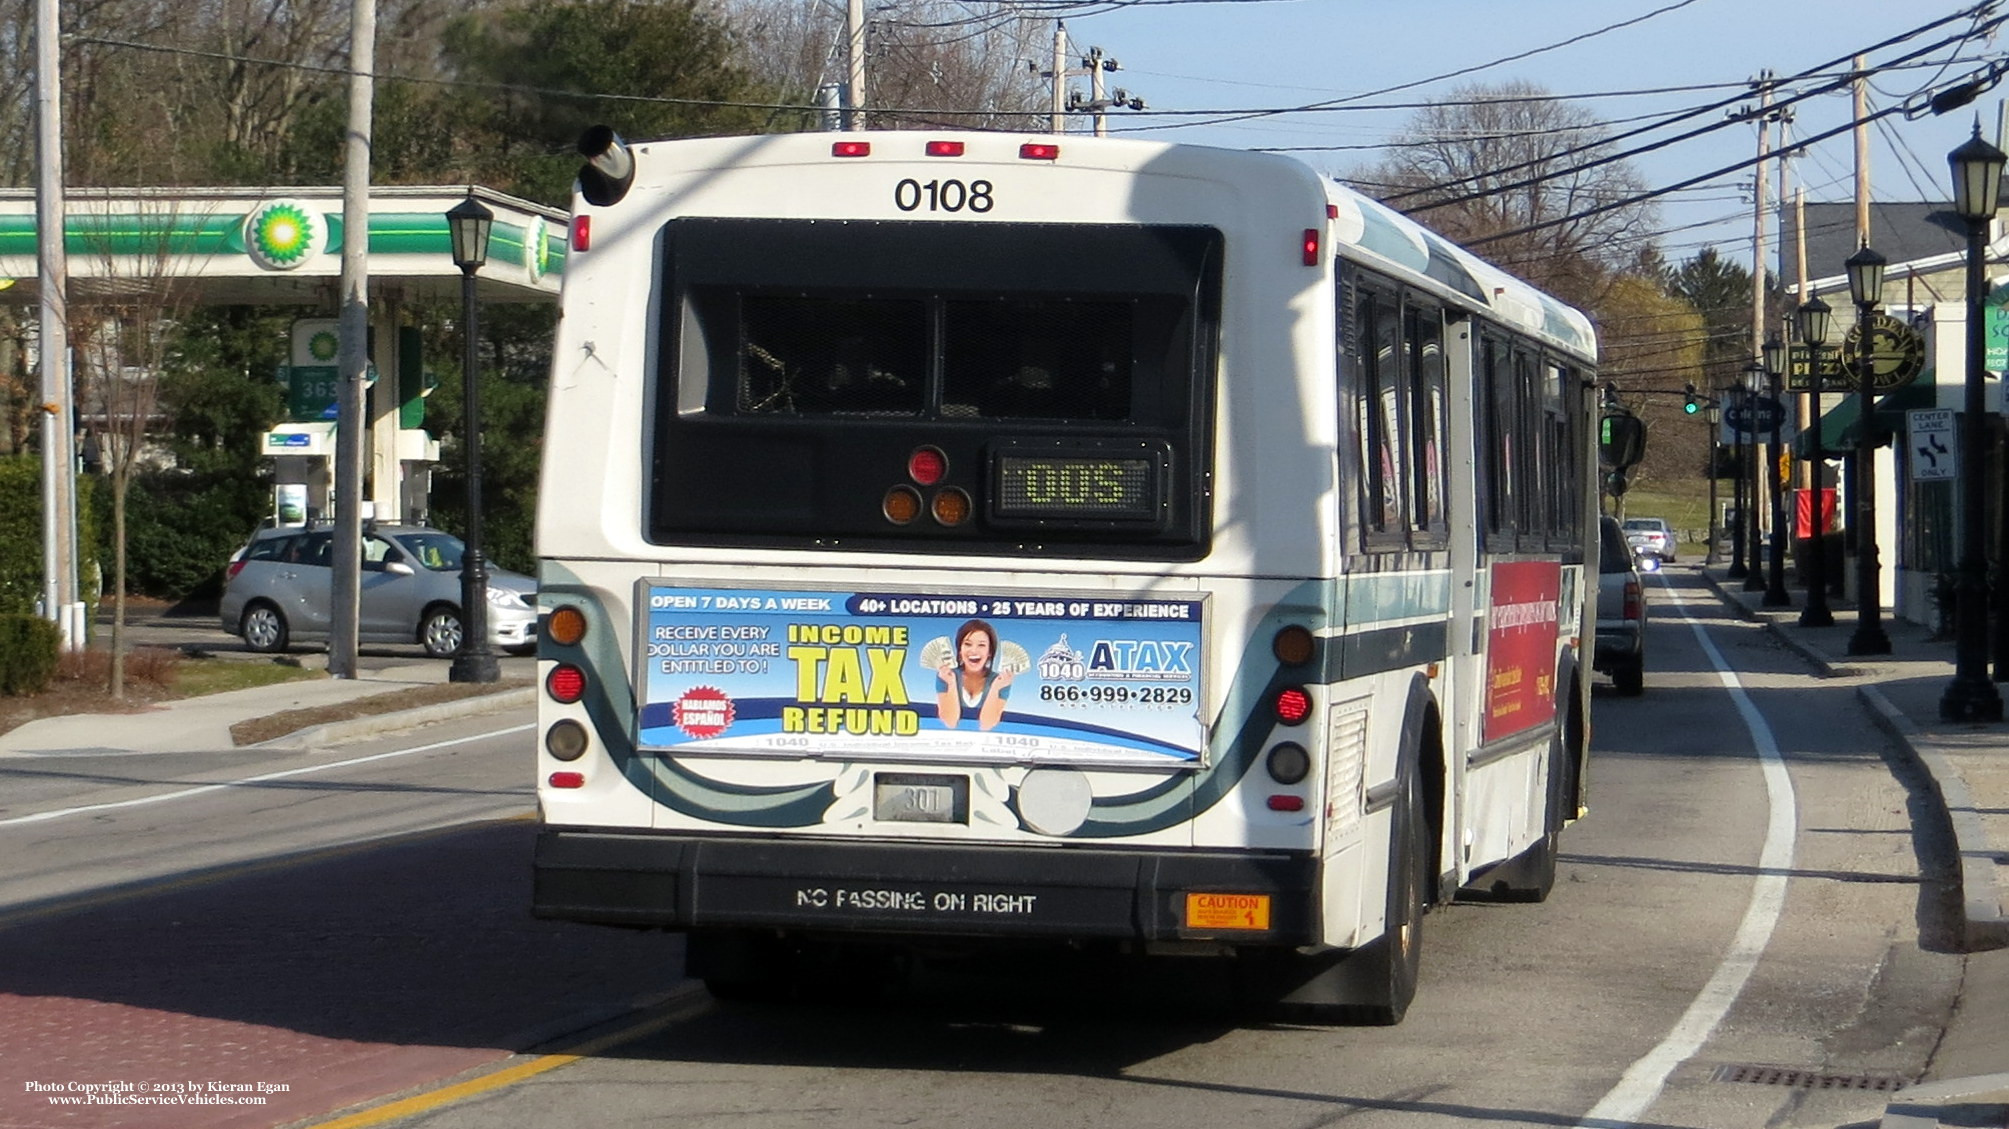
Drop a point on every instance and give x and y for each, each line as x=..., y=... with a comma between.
x=566, y=683
x=568, y=780
x=582, y=233
x=1635, y=601
x=236, y=566
x=1310, y=247
x=1293, y=705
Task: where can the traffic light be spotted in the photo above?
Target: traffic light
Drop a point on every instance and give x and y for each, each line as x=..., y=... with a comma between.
x=1690, y=403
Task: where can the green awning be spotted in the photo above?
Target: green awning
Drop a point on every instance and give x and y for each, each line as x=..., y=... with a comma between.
x=1838, y=427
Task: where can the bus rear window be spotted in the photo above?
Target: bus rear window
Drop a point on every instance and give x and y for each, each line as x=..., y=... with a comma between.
x=1028, y=358
x=828, y=356
x=805, y=362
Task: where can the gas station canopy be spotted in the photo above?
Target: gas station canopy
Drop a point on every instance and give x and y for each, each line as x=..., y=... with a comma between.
x=278, y=246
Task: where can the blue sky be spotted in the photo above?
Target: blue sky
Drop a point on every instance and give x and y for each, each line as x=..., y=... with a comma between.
x=1232, y=54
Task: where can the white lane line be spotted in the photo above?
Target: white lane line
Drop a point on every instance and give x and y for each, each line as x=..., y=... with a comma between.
x=1642, y=1083
x=185, y=793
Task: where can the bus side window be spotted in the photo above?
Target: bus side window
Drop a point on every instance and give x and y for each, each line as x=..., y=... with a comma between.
x=1424, y=332
x=1378, y=416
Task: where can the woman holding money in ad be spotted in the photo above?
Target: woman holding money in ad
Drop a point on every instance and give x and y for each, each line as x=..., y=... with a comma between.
x=972, y=678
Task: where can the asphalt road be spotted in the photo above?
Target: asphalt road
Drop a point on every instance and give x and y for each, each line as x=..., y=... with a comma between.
x=1748, y=891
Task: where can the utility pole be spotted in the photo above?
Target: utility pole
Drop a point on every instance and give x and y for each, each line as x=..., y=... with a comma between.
x=1059, y=75
x=854, y=90
x=59, y=463
x=1094, y=66
x=354, y=332
x=1755, y=581
x=1861, y=136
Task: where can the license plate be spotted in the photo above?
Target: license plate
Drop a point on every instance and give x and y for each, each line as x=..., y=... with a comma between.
x=1227, y=911
x=899, y=797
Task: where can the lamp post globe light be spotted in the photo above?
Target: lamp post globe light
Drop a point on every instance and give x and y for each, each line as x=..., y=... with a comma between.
x=1776, y=595
x=1755, y=383
x=1971, y=695
x=1865, y=269
x=1812, y=319
x=469, y=223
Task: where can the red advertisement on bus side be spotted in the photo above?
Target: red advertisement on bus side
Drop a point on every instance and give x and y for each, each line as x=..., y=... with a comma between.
x=1521, y=646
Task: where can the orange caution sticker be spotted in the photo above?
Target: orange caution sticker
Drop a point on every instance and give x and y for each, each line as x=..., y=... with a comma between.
x=1227, y=911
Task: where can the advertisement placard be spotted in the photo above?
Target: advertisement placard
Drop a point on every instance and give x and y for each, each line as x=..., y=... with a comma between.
x=1521, y=646
x=1063, y=678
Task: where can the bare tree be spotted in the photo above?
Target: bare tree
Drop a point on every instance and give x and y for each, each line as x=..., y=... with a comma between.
x=123, y=326
x=929, y=63
x=1491, y=160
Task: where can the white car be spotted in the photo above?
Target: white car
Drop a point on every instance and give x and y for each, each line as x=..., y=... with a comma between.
x=1650, y=536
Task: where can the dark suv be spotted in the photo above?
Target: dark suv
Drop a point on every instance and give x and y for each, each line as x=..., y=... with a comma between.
x=1621, y=612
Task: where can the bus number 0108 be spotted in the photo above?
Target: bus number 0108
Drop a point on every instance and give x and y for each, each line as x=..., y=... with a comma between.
x=911, y=195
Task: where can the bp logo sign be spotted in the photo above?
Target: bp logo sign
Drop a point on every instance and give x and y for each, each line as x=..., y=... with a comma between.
x=537, y=246
x=282, y=234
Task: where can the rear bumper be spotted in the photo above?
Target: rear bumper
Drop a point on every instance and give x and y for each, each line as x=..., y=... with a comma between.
x=839, y=887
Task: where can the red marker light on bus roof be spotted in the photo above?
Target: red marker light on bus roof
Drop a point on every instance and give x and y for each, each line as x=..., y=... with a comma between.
x=1039, y=151
x=1311, y=246
x=945, y=148
x=851, y=149
x=582, y=232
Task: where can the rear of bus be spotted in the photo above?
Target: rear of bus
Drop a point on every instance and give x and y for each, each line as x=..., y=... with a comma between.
x=932, y=533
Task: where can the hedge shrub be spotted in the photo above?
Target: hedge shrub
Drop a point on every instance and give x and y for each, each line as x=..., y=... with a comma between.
x=28, y=646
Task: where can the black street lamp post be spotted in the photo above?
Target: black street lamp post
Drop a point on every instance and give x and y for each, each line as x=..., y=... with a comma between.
x=1865, y=269
x=1812, y=319
x=1776, y=595
x=1971, y=696
x=1712, y=412
x=1754, y=388
x=470, y=222
x=1733, y=394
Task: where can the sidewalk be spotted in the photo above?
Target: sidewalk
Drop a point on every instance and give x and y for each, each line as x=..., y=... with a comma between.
x=203, y=724
x=1969, y=769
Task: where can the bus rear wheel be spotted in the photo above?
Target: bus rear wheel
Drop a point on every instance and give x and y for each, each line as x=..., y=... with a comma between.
x=1385, y=972
x=1374, y=984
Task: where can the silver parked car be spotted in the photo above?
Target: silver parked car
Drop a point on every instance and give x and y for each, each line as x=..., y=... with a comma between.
x=280, y=589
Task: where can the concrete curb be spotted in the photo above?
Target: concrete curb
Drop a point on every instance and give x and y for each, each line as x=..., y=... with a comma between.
x=1922, y=1107
x=338, y=732
x=1984, y=925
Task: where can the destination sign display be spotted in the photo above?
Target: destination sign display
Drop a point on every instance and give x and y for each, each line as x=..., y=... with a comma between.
x=1077, y=485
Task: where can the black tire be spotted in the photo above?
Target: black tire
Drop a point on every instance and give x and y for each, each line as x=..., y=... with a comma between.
x=1629, y=676
x=1383, y=975
x=264, y=629
x=440, y=631
x=741, y=967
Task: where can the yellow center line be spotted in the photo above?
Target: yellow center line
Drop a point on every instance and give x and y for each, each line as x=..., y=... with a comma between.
x=674, y=1010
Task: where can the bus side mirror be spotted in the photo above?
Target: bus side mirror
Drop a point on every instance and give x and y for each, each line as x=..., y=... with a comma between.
x=1621, y=440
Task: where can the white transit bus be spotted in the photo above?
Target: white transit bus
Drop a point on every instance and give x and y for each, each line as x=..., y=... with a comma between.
x=951, y=540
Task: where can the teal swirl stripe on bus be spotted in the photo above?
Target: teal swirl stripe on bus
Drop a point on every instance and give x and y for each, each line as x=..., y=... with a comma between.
x=610, y=706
